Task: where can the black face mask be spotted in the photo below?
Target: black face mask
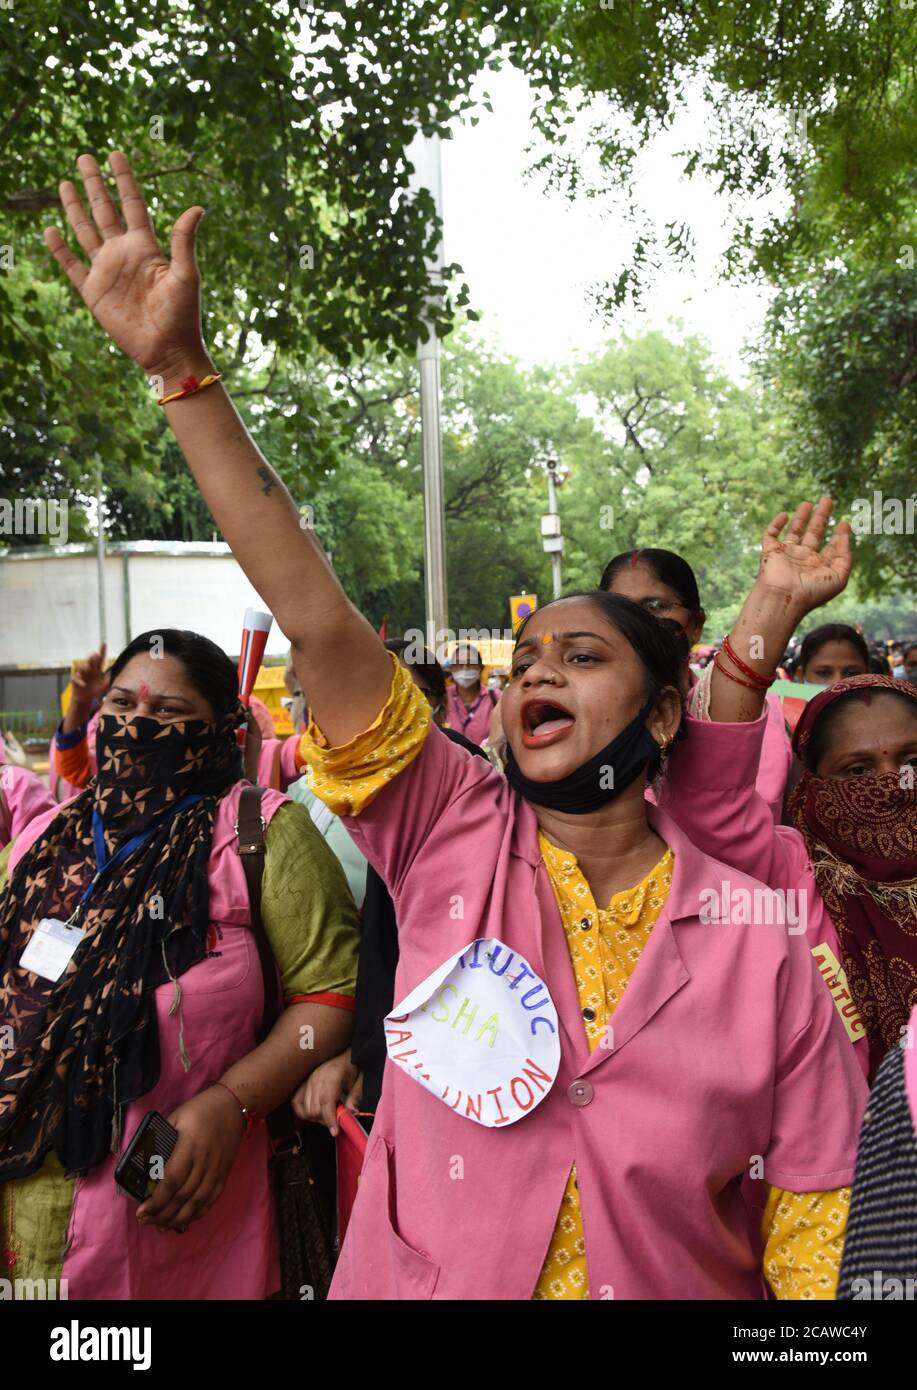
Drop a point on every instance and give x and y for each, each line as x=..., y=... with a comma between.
x=586, y=789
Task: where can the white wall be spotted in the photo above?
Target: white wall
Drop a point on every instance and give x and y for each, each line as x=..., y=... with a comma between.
x=207, y=595
x=49, y=612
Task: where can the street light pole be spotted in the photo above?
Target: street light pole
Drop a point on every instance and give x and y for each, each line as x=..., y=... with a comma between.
x=551, y=538
x=425, y=154
x=100, y=558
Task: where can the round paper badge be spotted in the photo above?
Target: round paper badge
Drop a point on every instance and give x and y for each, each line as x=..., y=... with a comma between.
x=480, y=1033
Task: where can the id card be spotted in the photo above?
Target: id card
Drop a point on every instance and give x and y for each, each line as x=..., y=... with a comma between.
x=51, y=947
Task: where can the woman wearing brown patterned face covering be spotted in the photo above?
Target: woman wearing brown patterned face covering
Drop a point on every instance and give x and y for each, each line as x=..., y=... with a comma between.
x=160, y=1004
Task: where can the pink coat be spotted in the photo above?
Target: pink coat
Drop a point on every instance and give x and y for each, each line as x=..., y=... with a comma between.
x=711, y=787
x=726, y=1047
x=231, y=1253
x=776, y=758
x=23, y=796
x=278, y=757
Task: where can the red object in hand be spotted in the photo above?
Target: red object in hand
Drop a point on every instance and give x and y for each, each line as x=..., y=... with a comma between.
x=255, y=628
x=350, y=1147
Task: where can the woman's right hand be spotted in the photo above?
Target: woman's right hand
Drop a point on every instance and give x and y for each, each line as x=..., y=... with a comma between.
x=89, y=678
x=317, y=1098
x=88, y=683
x=148, y=305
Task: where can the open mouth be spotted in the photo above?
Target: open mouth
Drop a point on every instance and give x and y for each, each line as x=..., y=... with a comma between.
x=543, y=721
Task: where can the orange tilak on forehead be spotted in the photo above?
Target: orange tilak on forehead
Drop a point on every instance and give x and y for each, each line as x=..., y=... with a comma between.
x=546, y=638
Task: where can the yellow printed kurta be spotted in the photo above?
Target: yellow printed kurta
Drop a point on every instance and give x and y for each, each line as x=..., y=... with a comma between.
x=605, y=945
x=804, y=1231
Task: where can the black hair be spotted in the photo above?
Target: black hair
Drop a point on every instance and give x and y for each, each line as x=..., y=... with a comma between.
x=653, y=642
x=206, y=665
x=670, y=569
x=821, y=732
x=427, y=663
x=830, y=632
x=907, y=648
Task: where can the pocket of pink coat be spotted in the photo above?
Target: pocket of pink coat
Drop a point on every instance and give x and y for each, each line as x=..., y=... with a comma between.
x=226, y=966
x=376, y=1263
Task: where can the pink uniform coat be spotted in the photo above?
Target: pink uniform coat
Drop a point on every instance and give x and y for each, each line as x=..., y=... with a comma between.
x=726, y=1049
x=231, y=1253
x=712, y=788
x=776, y=759
x=471, y=720
x=277, y=762
x=23, y=797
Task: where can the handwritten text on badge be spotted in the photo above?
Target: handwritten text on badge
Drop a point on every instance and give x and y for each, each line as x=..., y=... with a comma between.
x=480, y=1033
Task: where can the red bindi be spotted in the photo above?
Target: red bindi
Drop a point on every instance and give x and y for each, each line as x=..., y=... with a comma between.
x=144, y=692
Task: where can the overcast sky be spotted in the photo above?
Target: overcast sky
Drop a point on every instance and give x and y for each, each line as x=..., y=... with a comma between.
x=530, y=257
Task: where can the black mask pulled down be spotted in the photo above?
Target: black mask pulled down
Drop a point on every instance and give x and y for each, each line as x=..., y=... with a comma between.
x=598, y=781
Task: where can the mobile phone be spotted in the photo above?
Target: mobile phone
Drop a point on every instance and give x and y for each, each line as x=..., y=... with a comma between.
x=140, y=1166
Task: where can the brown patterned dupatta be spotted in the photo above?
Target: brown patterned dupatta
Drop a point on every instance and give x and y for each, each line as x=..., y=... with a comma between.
x=861, y=834
x=86, y=1045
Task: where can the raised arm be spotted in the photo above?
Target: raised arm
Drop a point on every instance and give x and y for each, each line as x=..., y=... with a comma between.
x=796, y=575
x=150, y=307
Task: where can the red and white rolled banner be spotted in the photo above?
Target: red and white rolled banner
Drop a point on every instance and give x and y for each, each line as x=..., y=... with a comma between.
x=255, y=629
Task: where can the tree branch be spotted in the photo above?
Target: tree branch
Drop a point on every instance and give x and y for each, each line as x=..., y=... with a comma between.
x=22, y=105
x=38, y=199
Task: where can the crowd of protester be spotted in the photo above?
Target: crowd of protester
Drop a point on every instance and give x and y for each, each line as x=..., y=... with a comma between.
x=710, y=919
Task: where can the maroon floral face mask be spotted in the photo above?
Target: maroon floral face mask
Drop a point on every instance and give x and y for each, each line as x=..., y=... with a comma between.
x=861, y=834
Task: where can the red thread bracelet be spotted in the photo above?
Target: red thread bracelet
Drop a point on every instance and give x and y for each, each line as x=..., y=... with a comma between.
x=251, y=1119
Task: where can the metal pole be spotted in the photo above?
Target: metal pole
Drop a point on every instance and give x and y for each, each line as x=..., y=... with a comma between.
x=435, y=589
x=556, y=556
x=425, y=154
x=100, y=558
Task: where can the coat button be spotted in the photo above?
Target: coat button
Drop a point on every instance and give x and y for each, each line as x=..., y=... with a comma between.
x=589, y=1015
x=585, y=924
x=580, y=1093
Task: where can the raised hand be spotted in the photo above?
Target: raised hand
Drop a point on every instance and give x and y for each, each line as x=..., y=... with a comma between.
x=148, y=305
x=796, y=575
x=798, y=566
x=88, y=678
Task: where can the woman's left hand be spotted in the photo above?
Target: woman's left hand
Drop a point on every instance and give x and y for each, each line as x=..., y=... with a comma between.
x=797, y=566
x=210, y=1130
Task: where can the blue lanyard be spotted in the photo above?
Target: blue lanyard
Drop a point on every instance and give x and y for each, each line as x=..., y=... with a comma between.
x=104, y=861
